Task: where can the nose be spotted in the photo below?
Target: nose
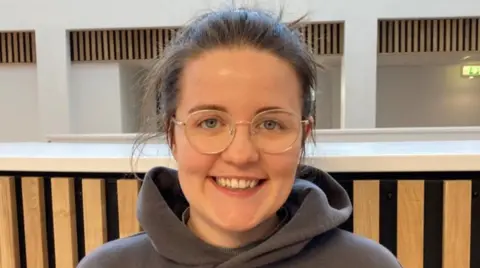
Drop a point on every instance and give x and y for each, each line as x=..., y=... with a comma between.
x=241, y=150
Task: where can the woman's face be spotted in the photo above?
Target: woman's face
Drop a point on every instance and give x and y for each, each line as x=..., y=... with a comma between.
x=241, y=82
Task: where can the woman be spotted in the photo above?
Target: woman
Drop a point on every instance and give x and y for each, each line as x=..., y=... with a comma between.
x=236, y=106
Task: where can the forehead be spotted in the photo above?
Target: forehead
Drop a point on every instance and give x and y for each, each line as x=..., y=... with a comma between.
x=241, y=80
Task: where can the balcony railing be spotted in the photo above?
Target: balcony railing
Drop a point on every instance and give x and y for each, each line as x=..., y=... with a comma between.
x=59, y=201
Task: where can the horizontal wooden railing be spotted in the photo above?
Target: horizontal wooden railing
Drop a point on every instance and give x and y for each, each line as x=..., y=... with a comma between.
x=428, y=220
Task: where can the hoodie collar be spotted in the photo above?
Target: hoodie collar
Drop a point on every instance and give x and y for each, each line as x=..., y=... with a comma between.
x=316, y=205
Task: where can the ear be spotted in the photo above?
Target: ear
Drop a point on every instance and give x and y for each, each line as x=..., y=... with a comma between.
x=170, y=139
x=308, y=127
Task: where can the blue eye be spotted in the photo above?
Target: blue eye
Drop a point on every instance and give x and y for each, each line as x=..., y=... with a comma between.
x=209, y=123
x=269, y=124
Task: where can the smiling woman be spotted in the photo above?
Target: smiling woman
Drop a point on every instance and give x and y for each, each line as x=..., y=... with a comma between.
x=236, y=107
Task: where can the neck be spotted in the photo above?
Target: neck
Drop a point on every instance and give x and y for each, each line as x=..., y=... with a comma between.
x=219, y=237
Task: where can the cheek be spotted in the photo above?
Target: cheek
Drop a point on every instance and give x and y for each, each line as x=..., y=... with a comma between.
x=191, y=164
x=282, y=167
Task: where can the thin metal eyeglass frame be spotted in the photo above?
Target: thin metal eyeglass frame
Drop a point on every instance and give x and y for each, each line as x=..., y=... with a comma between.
x=233, y=129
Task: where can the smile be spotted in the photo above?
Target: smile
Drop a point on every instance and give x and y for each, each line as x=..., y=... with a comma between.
x=237, y=183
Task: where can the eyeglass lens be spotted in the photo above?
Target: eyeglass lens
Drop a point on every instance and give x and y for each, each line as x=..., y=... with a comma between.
x=211, y=131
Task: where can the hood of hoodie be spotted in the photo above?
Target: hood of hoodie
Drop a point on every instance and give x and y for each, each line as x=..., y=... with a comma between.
x=317, y=204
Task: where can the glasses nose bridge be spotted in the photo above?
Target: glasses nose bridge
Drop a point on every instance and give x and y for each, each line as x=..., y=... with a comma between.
x=233, y=130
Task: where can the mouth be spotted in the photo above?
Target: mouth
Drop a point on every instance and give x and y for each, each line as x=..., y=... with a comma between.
x=237, y=184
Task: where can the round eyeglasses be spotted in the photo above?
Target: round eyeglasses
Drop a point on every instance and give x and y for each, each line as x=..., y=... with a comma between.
x=212, y=131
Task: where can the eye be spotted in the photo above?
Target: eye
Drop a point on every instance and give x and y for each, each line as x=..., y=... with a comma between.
x=269, y=124
x=209, y=123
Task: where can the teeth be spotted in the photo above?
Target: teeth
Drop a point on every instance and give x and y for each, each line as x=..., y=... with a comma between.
x=234, y=183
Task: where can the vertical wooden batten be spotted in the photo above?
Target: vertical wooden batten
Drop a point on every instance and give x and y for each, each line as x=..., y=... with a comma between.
x=64, y=221
x=127, y=190
x=456, y=223
x=366, y=207
x=410, y=222
x=9, y=244
x=34, y=222
x=94, y=213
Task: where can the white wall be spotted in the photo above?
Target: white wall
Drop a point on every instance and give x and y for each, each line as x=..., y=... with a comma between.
x=433, y=96
x=410, y=96
x=131, y=96
x=18, y=103
x=95, y=98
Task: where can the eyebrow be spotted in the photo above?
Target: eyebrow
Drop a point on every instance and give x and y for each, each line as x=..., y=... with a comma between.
x=224, y=109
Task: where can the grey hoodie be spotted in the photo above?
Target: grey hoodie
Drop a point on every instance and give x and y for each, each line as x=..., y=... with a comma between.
x=310, y=237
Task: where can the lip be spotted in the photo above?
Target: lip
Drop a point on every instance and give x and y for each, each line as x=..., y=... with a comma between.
x=238, y=193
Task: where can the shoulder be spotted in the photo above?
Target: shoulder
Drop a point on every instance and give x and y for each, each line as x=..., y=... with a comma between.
x=346, y=249
x=125, y=252
x=367, y=252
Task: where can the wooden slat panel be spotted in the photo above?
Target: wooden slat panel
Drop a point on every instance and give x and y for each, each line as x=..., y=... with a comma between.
x=124, y=48
x=416, y=39
x=327, y=39
x=111, y=45
x=442, y=45
x=28, y=49
x=34, y=222
x=456, y=224
x=366, y=204
x=403, y=28
x=81, y=47
x=448, y=35
x=21, y=40
x=476, y=34
x=9, y=48
x=155, y=42
x=391, y=36
x=93, y=45
x=136, y=44
x=87, y=46
x=323, y=49
x=396, y=45
x=410, y=222
x=127, y=191
x=3, y=47
x=335, y=39
x=149, y=45
x=130, y=45
x=454, y=35
x=33, y=47
x=410, y=37
x=64, y=222
x=9, y=245
x=118, y=45
x=422, y=34
x=435, y=36
x=74, y=36
x=16, y=48
x=94, y=213
x=341, y=37
x=467, y=35
x=460, y=36
x=161, y=41
x=141, y=45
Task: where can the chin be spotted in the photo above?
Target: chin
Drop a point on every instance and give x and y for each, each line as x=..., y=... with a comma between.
x=239, y=226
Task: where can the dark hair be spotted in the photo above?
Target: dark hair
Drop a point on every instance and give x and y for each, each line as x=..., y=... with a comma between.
x=226, y=28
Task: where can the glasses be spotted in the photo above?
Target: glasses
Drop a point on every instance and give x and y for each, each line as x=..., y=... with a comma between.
x=212, y=131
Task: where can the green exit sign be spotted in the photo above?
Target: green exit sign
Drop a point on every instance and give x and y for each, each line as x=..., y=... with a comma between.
x=471, y=70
